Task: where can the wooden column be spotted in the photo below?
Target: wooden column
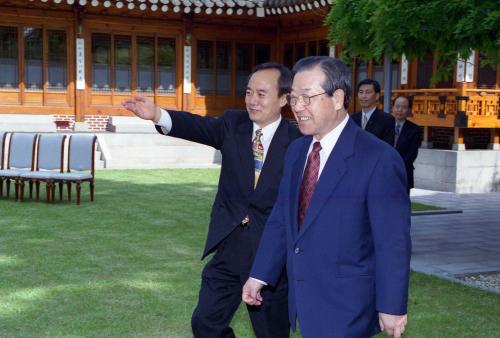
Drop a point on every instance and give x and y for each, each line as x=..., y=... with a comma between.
x=458, y=139
x=427, y=139
x=80, y=94
x=494, y=139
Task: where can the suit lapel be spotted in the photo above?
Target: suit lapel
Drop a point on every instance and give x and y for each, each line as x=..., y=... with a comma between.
x=372, y=121
x=244, y=141
x=297, y=173
x=332, y=173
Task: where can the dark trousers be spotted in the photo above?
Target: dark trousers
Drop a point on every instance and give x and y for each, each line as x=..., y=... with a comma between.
x=220, y=294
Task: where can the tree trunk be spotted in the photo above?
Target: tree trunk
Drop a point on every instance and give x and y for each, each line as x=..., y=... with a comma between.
x=387, y=79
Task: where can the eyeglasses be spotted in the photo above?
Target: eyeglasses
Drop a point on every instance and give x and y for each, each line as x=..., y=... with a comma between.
x=304, y=99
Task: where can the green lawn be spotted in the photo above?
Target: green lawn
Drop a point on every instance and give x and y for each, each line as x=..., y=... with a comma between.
x=128, y=265
x=423, y=207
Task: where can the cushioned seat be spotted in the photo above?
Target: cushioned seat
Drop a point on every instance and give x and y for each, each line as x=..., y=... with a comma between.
x=13, y=172
x=71, y=176
x=37, y=175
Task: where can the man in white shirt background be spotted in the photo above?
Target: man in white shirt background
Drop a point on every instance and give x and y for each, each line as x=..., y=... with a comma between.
x=370, y=118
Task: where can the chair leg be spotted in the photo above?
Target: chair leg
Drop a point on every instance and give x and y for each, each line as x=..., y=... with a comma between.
x=53, y=191
x=8, y=187
x=47, y=190
x=16, y=189
x=31, y=188
x=60, y=190
x=78, y=188
x=20, y=187
x=92, y=191
x=37, y=190
x=69, y=190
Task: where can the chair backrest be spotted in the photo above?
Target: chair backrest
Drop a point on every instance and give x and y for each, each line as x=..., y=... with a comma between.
x=21, y=151
x=81, y=152
x=3, y=137
x=50, y=153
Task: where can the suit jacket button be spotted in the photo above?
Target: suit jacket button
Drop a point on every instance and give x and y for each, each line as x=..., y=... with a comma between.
x=297, y=250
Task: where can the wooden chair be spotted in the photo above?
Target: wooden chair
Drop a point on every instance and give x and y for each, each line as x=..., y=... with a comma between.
x=50, y=157
x=81, y=153
x=20, y=159
x=3, y=139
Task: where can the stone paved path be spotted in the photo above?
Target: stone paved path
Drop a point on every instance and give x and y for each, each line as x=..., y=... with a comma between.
x=457, y=244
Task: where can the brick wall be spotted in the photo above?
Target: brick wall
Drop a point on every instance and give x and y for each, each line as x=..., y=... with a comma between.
x=95, y=122
x=64, y=122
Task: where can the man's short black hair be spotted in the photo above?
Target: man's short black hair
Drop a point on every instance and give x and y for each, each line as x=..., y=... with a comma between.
x=285, y=79
x=375, y=84
x=336, y=73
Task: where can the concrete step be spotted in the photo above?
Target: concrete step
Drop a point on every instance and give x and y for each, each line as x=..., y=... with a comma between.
x=130, y=124
x=143, y=139
x=99, y=162
x=119, y=150
x=27, y=123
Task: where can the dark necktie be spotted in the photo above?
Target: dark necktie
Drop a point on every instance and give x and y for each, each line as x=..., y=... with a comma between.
x=397, y=134
x=309, y=180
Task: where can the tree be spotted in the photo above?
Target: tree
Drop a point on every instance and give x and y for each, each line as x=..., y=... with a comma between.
x=368, y=29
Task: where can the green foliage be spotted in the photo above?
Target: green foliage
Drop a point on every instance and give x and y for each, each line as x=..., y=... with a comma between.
x=166, y=55
x=449, y=27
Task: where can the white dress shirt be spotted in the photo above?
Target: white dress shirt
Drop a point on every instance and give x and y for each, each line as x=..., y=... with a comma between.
x=368, y=114
x=267, y=134
x=328, y=142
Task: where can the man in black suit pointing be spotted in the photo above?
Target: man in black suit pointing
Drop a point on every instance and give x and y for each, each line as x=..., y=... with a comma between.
x=253, y=144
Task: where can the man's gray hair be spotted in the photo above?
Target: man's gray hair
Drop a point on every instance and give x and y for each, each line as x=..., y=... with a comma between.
x=336, y=72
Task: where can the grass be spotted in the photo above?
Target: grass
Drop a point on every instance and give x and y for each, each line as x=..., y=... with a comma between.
x=423, y=207
x=128, y=265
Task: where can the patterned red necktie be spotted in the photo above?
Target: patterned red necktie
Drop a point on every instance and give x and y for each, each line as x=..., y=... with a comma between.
x=309, y=180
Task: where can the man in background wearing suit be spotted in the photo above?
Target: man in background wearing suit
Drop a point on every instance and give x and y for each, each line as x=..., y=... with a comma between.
x=407, y=136
x=341, y=222
x=253, y=144
x=371, y=119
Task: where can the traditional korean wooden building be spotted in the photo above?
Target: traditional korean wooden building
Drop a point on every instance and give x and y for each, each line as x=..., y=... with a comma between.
x=77, y=60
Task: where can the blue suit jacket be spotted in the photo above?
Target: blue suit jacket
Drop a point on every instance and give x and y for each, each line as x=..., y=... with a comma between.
x=351, y=257
x=236, y=197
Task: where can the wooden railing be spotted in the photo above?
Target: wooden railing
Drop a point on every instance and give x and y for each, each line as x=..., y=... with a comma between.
x=443, y=101
x=439, y=102
x=483, y=102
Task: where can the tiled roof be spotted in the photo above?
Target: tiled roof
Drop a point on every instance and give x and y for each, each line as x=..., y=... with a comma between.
x=229, y=7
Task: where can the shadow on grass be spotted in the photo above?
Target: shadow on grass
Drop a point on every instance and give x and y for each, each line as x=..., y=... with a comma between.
x=127, y=264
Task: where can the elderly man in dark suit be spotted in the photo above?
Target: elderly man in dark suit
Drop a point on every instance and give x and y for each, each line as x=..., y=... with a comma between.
x=253, y=144
x=407, y=136
x=341, y=223
x=370, y=118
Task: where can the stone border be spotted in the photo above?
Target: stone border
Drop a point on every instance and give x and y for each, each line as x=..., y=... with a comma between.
x=436, y=212
x=454, y=279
